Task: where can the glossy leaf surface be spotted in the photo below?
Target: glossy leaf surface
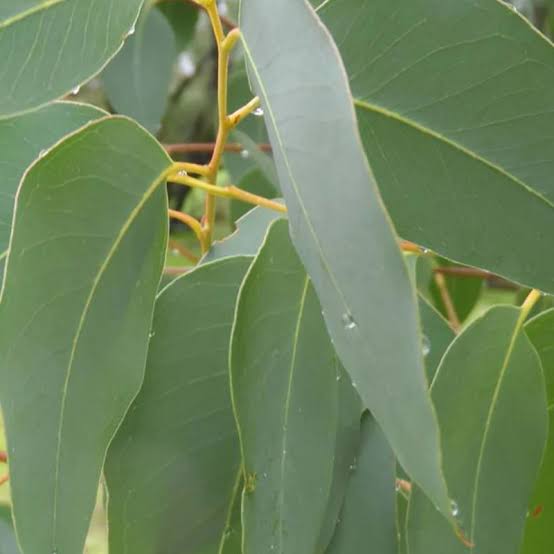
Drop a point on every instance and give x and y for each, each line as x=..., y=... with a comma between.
x=355, y=264
x=490, y=397
x=50, y=47
x=283, y=369
x=181, y=422
x=455, y=109
x=75, y=318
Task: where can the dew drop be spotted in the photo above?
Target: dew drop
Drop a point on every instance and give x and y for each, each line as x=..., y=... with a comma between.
x=152, y=335
x=426, y=346
x=223, y=8
x=426, y=250
x=355, y=385
x=349, y=322
x=339, y=377
x=75, y=90
x=244, y=154
x=182, y=173
x=258, y=112
x=454, y=508
x=131, y=31
x=42, y=153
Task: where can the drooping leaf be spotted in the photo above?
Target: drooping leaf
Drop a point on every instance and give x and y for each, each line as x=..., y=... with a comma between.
x=283, y=370
x=181, y=422
x=490, y=397
x=454, y=101
x=254, y=182
x=23, y=138
x=246, y=240
x=437, y=337
x=340, y=228
x=137, y=79
x=50, y=47
x=368, y=517
x=538, y=530
x=84, y=263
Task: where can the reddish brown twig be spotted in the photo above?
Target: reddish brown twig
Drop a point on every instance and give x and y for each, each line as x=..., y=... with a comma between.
x=176, y=271
x=3, y=457
x=447, y=301
x=4, y=479
x=208, y=147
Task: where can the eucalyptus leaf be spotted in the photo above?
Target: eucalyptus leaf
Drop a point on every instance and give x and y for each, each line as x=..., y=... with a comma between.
x=454, y=100
x=283, y=369
x=538, y=530
x=340, y=228
x=181, y=422
x=8, y=542
x=84, y=264
x=137, y=79
x=51, y=47
x=490, y=397
x=22, y=140
x=368, y=516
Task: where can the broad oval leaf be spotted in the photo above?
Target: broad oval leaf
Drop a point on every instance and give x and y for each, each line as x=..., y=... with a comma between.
x=181, y=423
x=137, y=79
x=368, y=516
x=283, y=370
x=84, y=264
x=24, y=138
x=538, y=531
x=340, y=228
x=50, y=47
x=454, y=101
x=490, y=397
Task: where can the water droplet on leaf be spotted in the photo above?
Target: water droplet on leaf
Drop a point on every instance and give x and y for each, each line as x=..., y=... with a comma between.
x=244, y=154
x=426, y=346
x=349, y=322
x=131, y=31
x=454, y=508
x=75, y=90
x=258, y=112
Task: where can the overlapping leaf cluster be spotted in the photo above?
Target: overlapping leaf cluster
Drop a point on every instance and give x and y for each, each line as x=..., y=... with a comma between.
x=308, y=387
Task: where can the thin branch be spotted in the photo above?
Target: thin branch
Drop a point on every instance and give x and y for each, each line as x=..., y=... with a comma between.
x=194, y=224
x=3, y=456
x=447, y=301
x=208, y=147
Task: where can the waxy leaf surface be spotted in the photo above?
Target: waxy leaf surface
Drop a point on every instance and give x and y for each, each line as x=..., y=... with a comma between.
x=50, y=47
x=84, y=264
x=490, y=397
x=454, y=101
x=283, y=371
x=181, y=423
x=340, y=228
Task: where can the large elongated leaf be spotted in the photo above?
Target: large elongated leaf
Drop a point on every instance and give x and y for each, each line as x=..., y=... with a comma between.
x=22, y=140
x=368, y=517
x=137, y=79
x=340, y=228
x=181, y=422
x=454, y=100
x=491, y=402
x=283, y=372
x=538, y=531
x=51, y=46
x=8, y=542
x=85, y=260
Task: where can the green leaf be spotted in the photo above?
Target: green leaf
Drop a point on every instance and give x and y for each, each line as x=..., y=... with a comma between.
x=401, y=514
x=85, y=259
x=23, y=138
x=340, y=228
x=283, y=370
x=246, y=240
x=137, y=79
x=438, y=336
x=254, y=182
x=454, y=101
x=491, y=402
x=52, y=46
x=368, y=516
x=181, y=423
x=538, y=531
x=182, y=17
x=8, y=542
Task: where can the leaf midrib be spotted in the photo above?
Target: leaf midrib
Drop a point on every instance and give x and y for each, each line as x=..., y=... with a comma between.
x=47, y=4
x=286, y=413
x=369, y=106
x=97, y=279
